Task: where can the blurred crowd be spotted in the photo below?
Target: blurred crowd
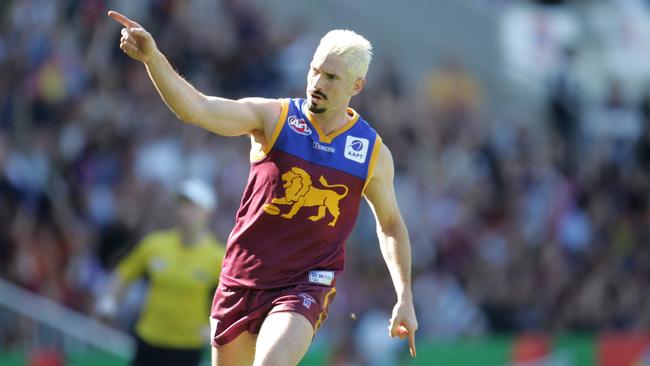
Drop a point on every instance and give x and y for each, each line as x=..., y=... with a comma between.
x=519, y=221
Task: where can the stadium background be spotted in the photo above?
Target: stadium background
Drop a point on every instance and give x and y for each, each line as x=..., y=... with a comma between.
x=521, y=138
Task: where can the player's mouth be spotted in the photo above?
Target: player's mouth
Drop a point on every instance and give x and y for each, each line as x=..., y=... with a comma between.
x=317, y=95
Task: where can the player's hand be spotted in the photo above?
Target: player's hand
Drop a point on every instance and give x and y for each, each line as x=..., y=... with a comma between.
x=136, y=41
x=403, y=324
x=105, y=309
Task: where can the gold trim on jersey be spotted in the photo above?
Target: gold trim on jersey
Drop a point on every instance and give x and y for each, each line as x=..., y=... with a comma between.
x=373, y=161
x=328, y=138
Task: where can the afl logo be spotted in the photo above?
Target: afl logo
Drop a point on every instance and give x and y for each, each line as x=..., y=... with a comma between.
x=299, y=126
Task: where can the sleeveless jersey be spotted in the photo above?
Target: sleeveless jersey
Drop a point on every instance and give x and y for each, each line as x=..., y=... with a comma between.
x=300, y=203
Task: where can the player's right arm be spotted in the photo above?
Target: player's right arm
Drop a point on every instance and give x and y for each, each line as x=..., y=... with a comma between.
x=220, y=115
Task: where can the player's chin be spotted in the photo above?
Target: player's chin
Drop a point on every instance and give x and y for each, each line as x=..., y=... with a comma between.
x=314, y=107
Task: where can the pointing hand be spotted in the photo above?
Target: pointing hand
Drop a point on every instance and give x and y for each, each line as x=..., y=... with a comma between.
x=136, y=41
x=403, y=324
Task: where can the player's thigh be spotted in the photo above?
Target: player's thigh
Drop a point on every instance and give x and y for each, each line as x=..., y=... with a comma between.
x=283, y=339
x=239, y=352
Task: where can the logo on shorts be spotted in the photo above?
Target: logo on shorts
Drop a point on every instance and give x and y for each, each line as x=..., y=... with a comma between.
x=307, y=300
x=299, y=125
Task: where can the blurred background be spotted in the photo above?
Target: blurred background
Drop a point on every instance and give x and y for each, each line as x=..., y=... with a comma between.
x=520, y=132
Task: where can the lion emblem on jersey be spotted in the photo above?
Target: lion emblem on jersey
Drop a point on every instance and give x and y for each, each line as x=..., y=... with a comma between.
x=299, y=192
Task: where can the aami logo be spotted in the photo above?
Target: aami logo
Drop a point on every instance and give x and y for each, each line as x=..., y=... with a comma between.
x=356, y=149
x=299, y=126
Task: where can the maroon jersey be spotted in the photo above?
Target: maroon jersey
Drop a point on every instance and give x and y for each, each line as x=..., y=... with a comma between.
x=300, y=203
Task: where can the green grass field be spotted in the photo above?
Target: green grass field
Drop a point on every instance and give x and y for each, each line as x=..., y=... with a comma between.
x=493, y=351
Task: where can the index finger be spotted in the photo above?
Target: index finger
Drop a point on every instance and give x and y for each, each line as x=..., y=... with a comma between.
x=123, y=19
x=412, y=345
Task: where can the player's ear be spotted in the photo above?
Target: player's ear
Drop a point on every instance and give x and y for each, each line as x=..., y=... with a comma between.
x=358, y=85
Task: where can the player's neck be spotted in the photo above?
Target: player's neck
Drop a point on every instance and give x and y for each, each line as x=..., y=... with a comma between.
x=333, y=120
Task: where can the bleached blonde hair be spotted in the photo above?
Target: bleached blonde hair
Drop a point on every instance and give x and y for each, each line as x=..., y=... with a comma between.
x=354, y=48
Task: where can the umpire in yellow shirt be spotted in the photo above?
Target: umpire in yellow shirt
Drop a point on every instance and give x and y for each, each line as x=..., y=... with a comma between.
x=183, y=266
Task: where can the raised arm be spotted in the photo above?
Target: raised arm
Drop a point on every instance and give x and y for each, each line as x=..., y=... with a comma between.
x=220, y=115
x=395, y=246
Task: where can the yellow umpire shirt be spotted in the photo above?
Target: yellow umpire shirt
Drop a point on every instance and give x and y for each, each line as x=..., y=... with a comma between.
x=177, y=306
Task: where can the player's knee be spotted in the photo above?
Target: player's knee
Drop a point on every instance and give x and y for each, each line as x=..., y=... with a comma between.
x=272, y=359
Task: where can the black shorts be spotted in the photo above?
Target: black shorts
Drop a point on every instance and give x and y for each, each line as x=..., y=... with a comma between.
x=149, y=355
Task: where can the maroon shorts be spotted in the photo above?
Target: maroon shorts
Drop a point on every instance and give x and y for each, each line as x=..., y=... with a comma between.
x=235, y=309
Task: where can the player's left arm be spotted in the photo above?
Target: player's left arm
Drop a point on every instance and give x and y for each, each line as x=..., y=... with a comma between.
x=394, y=244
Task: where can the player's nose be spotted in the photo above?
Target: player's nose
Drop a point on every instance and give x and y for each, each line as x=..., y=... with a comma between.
x=317, y=81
